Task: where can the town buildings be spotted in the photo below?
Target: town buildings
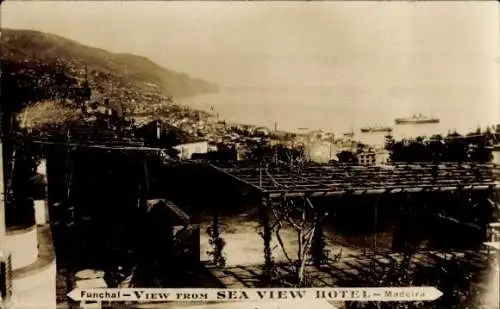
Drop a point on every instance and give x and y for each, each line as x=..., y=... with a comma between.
x=186, y=150
x=373, y=157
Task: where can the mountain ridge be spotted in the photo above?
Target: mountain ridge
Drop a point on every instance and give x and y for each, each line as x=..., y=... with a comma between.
x=131, y=78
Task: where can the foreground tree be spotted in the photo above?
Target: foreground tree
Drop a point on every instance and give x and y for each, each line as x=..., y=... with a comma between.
x=302, y=217
x=305, y=220
x=473, y=147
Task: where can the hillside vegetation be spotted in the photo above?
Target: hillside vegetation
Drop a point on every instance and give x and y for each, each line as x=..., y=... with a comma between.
x=37, y=66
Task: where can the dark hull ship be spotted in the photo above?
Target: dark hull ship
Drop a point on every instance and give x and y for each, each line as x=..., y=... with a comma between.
x=376, y=129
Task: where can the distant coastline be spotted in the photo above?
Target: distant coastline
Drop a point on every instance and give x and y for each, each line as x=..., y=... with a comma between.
x=291, y=110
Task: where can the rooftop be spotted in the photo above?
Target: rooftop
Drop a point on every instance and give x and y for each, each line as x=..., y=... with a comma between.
x=192, y=140
x=86, y=135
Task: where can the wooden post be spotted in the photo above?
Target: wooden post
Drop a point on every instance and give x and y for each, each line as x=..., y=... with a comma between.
x=5, y=271
x=267, y=236
x=375, y=225
x=3, y=236
x=215, y=223
x=68, y=206
x=215, y=240
x=144, y=184
x=318, y=245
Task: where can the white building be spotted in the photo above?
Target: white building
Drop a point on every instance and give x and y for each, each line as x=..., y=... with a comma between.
x=373, y=157
x=366, y=158
x=496, y=156
x=320, y=151
x=187, y=150
x=382, y=157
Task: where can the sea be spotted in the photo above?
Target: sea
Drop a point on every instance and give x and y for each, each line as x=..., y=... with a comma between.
x=345, y=111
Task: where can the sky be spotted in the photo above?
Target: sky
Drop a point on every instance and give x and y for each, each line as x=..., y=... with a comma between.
x=287, y=44
x=418, y=50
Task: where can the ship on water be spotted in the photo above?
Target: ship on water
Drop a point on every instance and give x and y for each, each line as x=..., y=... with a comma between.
x=417, y=119
x=375, y=129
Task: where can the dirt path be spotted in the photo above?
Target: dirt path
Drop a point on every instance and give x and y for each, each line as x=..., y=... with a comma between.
x=244, y=245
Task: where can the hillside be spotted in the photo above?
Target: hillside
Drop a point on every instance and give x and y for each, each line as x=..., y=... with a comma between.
x=38, y=66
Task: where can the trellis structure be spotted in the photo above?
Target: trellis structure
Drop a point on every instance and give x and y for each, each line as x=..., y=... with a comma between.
x=330, y=180
x=275, y=185
x=87, y=136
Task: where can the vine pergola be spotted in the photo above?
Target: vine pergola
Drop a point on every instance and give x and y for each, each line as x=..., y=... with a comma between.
x=286, y=195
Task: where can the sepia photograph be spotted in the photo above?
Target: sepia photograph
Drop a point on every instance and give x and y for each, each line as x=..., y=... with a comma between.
x=320, y=155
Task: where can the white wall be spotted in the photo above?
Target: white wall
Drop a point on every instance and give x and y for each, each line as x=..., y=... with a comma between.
x=36, y=290
x=320, y=151
x=496, y=157
x=41, y=212
x=23, y=246
x=42, y=167
x=382, y=157
x=187, y=150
